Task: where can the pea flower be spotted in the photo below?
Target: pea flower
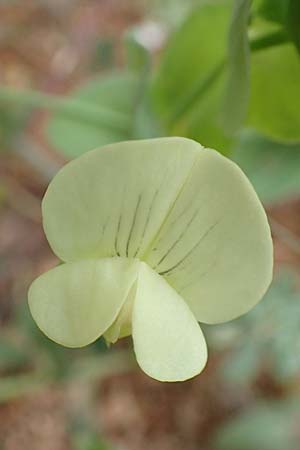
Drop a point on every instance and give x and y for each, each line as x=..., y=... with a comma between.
x=154, y=236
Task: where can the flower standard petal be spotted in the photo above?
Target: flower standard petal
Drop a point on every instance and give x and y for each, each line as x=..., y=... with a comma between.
x=75, y=303
x=113, y=200
x=215, y=246
x=168, y=342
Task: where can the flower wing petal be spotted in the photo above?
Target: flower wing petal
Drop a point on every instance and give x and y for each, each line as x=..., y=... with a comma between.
x=74, y=303
x=168, y=342
x=113, y=200
x=215, y=247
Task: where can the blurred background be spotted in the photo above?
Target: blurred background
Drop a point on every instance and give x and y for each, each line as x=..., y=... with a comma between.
x=77, y=74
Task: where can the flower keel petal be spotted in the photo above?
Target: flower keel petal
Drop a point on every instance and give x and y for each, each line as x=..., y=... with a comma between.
x=168, y=342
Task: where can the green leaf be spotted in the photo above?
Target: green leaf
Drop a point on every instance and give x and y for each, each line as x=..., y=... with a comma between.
x=293, y=22
x=274, y=108
x=237, y=87
x=188, y=85
x=188, y=89
x=272, y=10
x=273, y=168
x=74, y=137
x=265, y=426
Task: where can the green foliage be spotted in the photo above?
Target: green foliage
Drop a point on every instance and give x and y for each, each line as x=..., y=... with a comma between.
x=73, y=137
x=269, y=336
x=195, y=75
x=145, y=124
x=11, y=355
x=215, y=76
x=272, y=167
x=293, y=22
x=12, y=121
x=275, y=93
x=272, y=10
x=269, y=425
x=84, y=436
x=138, y=57
x=203, y=88
x=237, y=87
x=104, y=55
x=188, y=85
x=283, y=12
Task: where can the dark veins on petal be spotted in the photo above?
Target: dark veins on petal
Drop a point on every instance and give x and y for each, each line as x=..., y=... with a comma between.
x=147, y=221
x=199, y=276
x=179, y=237
x=173, y=223
x=165, y=272
x=133, y=223
x=117, y=235
x=103, y=229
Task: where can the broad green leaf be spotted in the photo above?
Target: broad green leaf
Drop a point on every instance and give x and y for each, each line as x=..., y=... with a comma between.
x=274, y=108
x=187, y=89
x=272, y=10
x=264, y=426
x=293, y=22
x=273, y=168
x=74, y=137
x=75, y=303
x=237, y=87
x=215, y=245
x=113, y=200
x=203, y=123
x=190, y=83
x=187, y=58
x=168, y=342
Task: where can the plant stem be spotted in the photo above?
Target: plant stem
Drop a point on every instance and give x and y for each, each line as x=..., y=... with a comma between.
x=72, y=108
x=269, y=40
